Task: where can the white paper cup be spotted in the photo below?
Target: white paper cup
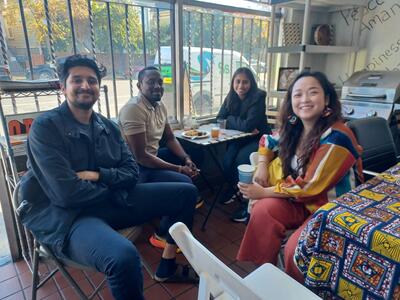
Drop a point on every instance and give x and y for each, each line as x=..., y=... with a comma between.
x=246, y=173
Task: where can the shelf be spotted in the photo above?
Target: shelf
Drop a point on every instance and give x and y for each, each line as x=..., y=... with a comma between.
x=331, y=49
x=286, y=49
x=316, y=49
x=319, y=4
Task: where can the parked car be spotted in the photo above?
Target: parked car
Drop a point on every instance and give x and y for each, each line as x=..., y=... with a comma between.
x=44, y=71
x=205, y=102
x=261, y=65
x=5, y=72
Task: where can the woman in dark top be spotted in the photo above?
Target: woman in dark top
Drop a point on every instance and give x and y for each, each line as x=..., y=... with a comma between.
x=244, y=110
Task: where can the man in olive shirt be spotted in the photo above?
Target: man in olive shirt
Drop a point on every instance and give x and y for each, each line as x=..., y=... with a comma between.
x=143, y=122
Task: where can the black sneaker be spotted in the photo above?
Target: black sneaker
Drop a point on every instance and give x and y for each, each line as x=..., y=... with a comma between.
x=199, y=202
x=240, y=215
x=227, y=197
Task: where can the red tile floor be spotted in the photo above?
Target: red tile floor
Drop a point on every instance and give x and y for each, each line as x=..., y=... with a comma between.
x=222, y=237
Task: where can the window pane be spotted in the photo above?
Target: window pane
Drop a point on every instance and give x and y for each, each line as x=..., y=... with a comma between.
x=215, y=45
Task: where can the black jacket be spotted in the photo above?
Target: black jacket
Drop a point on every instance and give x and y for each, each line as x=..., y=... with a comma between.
x=57, y=149
x=248, y=115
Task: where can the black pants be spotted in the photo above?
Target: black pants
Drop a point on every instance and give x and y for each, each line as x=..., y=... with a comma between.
x=237, y=153
x=93, y=240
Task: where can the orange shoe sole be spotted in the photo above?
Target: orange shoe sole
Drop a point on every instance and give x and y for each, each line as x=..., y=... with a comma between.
x=160, y=243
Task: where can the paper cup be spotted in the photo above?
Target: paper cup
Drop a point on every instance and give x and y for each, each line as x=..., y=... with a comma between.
x=246, y=173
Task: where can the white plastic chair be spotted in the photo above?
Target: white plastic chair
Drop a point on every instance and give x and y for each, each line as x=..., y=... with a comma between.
x=218, y=280
x=253, y=158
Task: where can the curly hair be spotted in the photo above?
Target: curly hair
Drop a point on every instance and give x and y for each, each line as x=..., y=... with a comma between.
x=143, y=71
x=290, y=133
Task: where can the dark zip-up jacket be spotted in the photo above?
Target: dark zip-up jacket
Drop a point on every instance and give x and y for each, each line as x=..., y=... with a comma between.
x=57, y=149
x=248, y=115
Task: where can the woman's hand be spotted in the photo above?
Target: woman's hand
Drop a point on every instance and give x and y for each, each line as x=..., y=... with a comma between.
x=261, y=175
x=88, y=175
x=255, y=131
x=252, y=191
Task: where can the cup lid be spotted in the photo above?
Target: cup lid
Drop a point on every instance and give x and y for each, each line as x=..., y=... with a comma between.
x=246, y=168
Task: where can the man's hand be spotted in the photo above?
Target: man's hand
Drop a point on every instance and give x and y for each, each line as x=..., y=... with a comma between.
x=189, y=163
x=88, y=175
x=188, y=171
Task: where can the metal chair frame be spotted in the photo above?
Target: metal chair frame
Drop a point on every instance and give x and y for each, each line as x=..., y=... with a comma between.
x=39, y=252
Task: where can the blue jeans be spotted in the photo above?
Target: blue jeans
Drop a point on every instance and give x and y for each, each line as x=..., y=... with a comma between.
x=93, y=240
x=147, y=175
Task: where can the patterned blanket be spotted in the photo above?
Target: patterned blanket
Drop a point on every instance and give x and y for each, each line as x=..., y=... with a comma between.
x=351, y=247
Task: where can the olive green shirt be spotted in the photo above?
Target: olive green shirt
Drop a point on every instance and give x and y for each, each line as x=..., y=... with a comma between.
x=138, y=116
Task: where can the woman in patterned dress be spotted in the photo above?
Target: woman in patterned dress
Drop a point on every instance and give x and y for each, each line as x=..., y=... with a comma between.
x=313, y=158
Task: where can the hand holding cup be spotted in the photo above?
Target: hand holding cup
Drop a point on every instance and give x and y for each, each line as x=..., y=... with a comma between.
x=246, y=173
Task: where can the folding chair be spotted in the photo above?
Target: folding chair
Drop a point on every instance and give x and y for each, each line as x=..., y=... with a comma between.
x=220, y=282
x=40, y=252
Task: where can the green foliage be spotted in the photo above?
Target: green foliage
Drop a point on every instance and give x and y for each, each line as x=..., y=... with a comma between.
x=251, y=41
x=118, y=26
x=61, y=31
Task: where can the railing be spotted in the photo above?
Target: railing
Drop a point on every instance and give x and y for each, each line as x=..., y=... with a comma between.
x=128, y=35
x=198, y=42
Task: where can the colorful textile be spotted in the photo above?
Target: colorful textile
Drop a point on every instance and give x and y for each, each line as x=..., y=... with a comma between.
x=350, y=249
x=331, y=172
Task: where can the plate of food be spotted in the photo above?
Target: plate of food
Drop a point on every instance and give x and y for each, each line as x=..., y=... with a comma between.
x=195, y=134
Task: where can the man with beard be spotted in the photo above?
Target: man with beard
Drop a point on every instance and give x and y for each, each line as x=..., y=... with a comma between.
x=143, y=123
x=81, y=186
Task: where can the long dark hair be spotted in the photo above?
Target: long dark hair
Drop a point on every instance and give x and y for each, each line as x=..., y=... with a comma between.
x=290, y=133
x=232, y=99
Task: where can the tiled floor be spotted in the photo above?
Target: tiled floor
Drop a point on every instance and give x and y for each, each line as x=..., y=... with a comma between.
x=222, y=237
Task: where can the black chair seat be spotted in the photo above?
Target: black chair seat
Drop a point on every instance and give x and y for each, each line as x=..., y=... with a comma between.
x=375, y=137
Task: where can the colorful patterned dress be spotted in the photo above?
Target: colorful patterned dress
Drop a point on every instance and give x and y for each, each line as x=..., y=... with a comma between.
x=332, y=170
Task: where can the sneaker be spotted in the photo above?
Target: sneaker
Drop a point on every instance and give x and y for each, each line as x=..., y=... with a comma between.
x=227, y=198
x=240, y=215
x=159, y=242
x=199, y=202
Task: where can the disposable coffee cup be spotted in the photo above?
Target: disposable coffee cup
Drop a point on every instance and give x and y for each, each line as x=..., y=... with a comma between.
x=246, y=173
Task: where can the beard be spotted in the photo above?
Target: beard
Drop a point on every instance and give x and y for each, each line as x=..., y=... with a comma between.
x=156, y=98
x=84, y=104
